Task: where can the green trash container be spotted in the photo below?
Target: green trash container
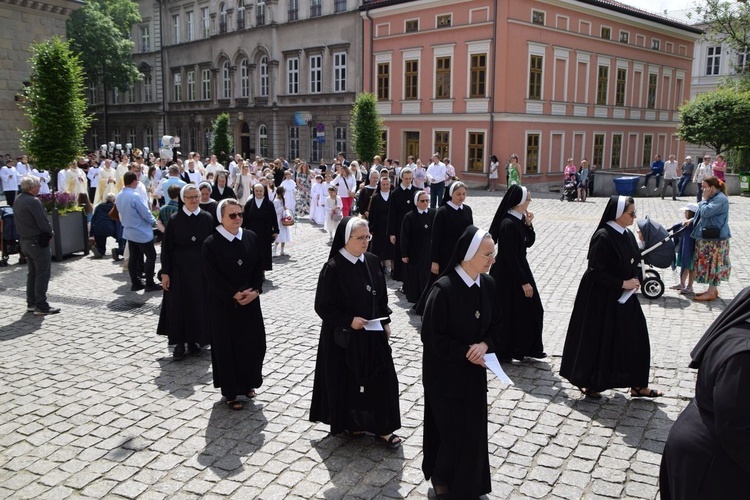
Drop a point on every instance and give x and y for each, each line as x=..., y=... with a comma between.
x=745, y=182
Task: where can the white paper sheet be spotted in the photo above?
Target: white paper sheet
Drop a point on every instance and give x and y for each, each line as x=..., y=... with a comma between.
x=375, y=325
x=625, y=295
x=490, y=359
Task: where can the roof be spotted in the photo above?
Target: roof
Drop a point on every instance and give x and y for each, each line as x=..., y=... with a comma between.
x=605, y=4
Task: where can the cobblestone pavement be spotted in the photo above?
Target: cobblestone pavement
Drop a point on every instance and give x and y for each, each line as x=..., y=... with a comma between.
x=91, y=404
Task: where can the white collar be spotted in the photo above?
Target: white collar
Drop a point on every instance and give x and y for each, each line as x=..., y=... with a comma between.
x=258, y=202
x=518, y=215
x=465, y=276
x=229, y=236
x=407, y=188
x=614, y=225
x=422, y=211
x=188, y=212
x=455, y=207
x=351, y=258
x=385, y=195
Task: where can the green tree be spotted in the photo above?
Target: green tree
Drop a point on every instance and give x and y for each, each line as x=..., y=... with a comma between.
x=717, y=120
x=55, y=104
x=221, y=140
x=99, y=32
x=367, y=127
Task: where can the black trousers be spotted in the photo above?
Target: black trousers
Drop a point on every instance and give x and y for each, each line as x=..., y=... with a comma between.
x=10, y=197
x=137, y=251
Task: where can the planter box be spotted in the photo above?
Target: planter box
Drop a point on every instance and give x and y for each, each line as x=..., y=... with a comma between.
x=71, y=234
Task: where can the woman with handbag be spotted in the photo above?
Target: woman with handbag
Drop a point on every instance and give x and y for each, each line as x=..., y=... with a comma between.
x=355, y=388
x=284, y=220
x=711, y=233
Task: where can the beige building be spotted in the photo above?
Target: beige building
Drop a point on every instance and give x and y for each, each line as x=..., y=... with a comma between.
x=287, y=74
x=40, y=19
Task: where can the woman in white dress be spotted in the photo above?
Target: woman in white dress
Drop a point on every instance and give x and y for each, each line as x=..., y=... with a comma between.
x=333, y=207
x=290, y=189
x=246, y=180
x=285, y=233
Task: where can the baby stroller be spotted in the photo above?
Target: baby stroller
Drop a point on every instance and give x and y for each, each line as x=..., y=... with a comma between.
x=570, y=188
x=658, y=252
x=10, y=242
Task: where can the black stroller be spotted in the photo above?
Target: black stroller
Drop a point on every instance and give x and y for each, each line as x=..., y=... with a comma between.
x=11, y=242
x=659, y=252
x=570, y=188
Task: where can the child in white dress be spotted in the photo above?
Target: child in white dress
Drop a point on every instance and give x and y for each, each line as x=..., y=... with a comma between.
x=317, y=213
x=333, y=206
x=285, y=233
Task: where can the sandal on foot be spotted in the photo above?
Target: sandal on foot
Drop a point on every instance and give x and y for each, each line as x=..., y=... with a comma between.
x=234, y=405
x=251, y=394
x=590, y=394
x=676, y=287
x=393, y=441
x=637, y=392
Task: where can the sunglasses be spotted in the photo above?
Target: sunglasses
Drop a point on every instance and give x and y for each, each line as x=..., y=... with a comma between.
x=235, y=215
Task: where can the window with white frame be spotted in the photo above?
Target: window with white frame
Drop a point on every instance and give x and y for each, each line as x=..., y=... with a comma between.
x=293, y=10
x=145, y=39
x=131, y=94
x=442, y=78
x=655, y=44
x=244, y=78
x=316, y=74
x=260, y=13
x=115, y=96
x=116, y=135
x=292, y=75
x=93, y=94
x=222, y=18
x=206, y=84
x=315, y=8
x=340, y=142
x=624, y=36
x=205, y=22
x=713, y=60
x=384, y=79
x=176, y=29
x=263, y=141
x=241, y=14
x=190, y=25
x=293, y=142
x=147, y=88
x=743, y=61
x=177, y=86
x=131, y=136
x=148, y=137
x=94, y=139
x=537, y=17
x=317, y=150
x=339, y=72
x=263, y=66
x=191, y=85
x=226, y=81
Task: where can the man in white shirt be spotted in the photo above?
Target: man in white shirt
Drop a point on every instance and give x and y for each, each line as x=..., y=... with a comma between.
x=670, y=177
x=436, y=175
x=9, y=178
x=22, y=167
x=93, y=176
x=213, y=167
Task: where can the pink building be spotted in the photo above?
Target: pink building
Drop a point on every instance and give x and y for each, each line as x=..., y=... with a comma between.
x=548, y=80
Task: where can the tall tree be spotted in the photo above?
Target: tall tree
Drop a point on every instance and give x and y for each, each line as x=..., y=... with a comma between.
x=367, y=127
x=717, y=120
x=99, y=32
x=55, y=103
x=221, y=141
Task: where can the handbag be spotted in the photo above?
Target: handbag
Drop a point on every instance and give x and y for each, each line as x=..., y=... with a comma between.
x=336, y=214
x=114, y=214
x=710, y=233
x=240, y=188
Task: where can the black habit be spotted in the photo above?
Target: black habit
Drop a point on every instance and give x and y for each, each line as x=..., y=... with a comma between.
x=402, y=202
x=363, y=199
x=449, y=226
x=182, y=310
x=455, y=429
x=262, y=221
x=381, y=244
x=210, y=207
x=523, y=318
x=707, y=454
x=238, y=335
x=218, y=195
x=607, y=343
x=416, y=233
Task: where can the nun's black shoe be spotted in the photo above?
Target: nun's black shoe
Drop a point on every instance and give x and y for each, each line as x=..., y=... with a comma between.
x=505, y=359
x=392, y=441
x=538, y=355
x=179, y=351
x=591, y=394
x=194, y=349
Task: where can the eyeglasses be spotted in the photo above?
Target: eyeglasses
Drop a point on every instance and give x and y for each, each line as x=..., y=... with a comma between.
x=423, y=201
x=235, y=215
x=192, y=197
x=489, y=255
x=362, y=239
x=632, y=214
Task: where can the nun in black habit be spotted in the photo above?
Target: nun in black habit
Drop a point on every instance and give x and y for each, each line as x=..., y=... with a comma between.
x=260, y=218
x=355, y=387
x=233, y=271
x=607, y=343
x=220, y=189
x=208, y=204
x=182, y=316
x=460, y=325
x=381, y=203
x=402, y=203
x=707, y=454
x=416, y=233
x=517, y=294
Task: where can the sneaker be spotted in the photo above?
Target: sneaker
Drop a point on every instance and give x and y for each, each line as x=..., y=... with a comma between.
x=656, y=189
x=45, y=312
x=643, y=187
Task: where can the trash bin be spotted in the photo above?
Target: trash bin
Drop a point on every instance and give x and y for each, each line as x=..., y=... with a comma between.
x=625, y=186
x=745, y=182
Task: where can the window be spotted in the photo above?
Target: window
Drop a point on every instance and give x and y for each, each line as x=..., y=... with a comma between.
x=339, y=72
x=532, y=153
x=535, y=77
x=339, y=6
x=116, y=135
x=648, y=140
x=244, y=79
x=743, y=61
x=537, y=17
x=131, y=135
x=713, y=60
x=148, y=137
x=115, y=96
x=226, y=82
x=263, y=76
x=260, y=13
x=655, y=44
x=93, y=94
x=606, y=33
x=411, y=26
x=222, y=18
x=131, y=94
x=206, y=84
x=263, y=141
x=315, y=9
x=316, y=74
x=384, y=81
x=176, y=29
x=147, y=88
x=443, y=21
x=624, y=36
x=476, y=152
x=206, y=140
x=317, y=150
x=293, y=142
x=598, y=157
x=340, y=142
x=145, y=39
x=94, y=139
x=616, y=150
x=411, y=79
x=190, y=23
x=191, y=85
x=442, y=143
x=241, y=15
x=443, y=78
x=651, y=102
x=601, y=86
x=205, y=22
x=384, y=142
x=177, y=86
x=478, y=75
x=293, y=11
x=622, y=78
x=292, y=75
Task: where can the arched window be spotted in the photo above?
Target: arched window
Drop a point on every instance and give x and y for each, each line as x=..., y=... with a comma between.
x=260, y=13
x=244, y=79
x=263, y=141
x=226, y=82
x=222, y=18
x=241, y=14
x=264, y=76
